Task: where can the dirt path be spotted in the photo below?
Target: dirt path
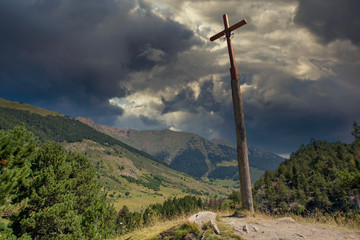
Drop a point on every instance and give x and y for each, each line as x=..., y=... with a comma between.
x=285, y=228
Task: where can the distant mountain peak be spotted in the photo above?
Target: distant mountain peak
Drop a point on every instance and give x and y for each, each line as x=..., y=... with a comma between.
x=114, y=131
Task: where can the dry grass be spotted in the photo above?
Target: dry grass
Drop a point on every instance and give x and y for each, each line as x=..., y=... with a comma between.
x=26, y=107
x=227, y=232
x=141, y=197
x=334, y=221
x=232, y=163
x=161, y=226
x=137, y=201
x=152, y=231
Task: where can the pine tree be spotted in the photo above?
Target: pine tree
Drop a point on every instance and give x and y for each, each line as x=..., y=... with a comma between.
x=356, y=132
x=64, y=200
x=16, y=151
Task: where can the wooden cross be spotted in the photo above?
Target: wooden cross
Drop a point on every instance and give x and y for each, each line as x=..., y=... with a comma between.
x=242, y=151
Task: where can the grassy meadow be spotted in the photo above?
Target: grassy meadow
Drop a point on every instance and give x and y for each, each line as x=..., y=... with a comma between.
x=136, y=182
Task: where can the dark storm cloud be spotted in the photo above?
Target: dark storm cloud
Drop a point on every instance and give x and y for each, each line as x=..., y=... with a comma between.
x=182, y=101
x=331, y=19
x=185, y=100
x=278, y=124
x=299, y=110
x=75, y=54
x=207, y=99
x=150, y=122
x=281, y=111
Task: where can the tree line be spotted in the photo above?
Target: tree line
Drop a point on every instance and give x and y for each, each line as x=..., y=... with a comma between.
x=173, y=207
x=319, y=177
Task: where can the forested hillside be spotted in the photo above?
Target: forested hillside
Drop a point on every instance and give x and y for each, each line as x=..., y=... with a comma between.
x=319, y=177
x=59, y=128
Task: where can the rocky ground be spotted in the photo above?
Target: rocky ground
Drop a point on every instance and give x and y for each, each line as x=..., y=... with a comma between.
x=285, y=229
x=258, y=227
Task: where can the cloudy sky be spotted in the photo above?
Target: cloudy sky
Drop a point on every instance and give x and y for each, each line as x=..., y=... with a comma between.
x=150, y=65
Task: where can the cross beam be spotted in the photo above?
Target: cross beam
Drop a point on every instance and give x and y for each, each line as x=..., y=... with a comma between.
x=242, y=151
x=228, y=29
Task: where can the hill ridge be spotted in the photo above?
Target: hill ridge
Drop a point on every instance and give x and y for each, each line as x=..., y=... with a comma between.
x=4, y=103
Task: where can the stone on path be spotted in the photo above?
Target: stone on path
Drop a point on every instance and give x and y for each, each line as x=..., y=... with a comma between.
x=201, y=218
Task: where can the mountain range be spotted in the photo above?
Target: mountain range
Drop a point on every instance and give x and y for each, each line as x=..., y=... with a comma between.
x=190, y=153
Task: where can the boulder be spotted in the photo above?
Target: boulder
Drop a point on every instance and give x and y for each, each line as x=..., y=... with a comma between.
x=201, y=218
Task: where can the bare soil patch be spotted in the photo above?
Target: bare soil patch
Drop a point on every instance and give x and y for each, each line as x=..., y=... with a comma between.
x=285, y=228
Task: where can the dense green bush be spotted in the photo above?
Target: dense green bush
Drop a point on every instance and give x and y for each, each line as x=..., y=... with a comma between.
x=185, y=229
x=15, y=146
x=150, y=182
x=54, y=193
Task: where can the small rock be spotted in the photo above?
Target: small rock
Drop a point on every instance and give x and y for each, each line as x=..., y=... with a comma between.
x=216, y=228
x=238, y=230
x=254, y=228
x=245, y=228
x=299, y=235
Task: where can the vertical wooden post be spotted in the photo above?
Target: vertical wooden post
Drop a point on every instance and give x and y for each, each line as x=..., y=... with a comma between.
x=242, y=150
